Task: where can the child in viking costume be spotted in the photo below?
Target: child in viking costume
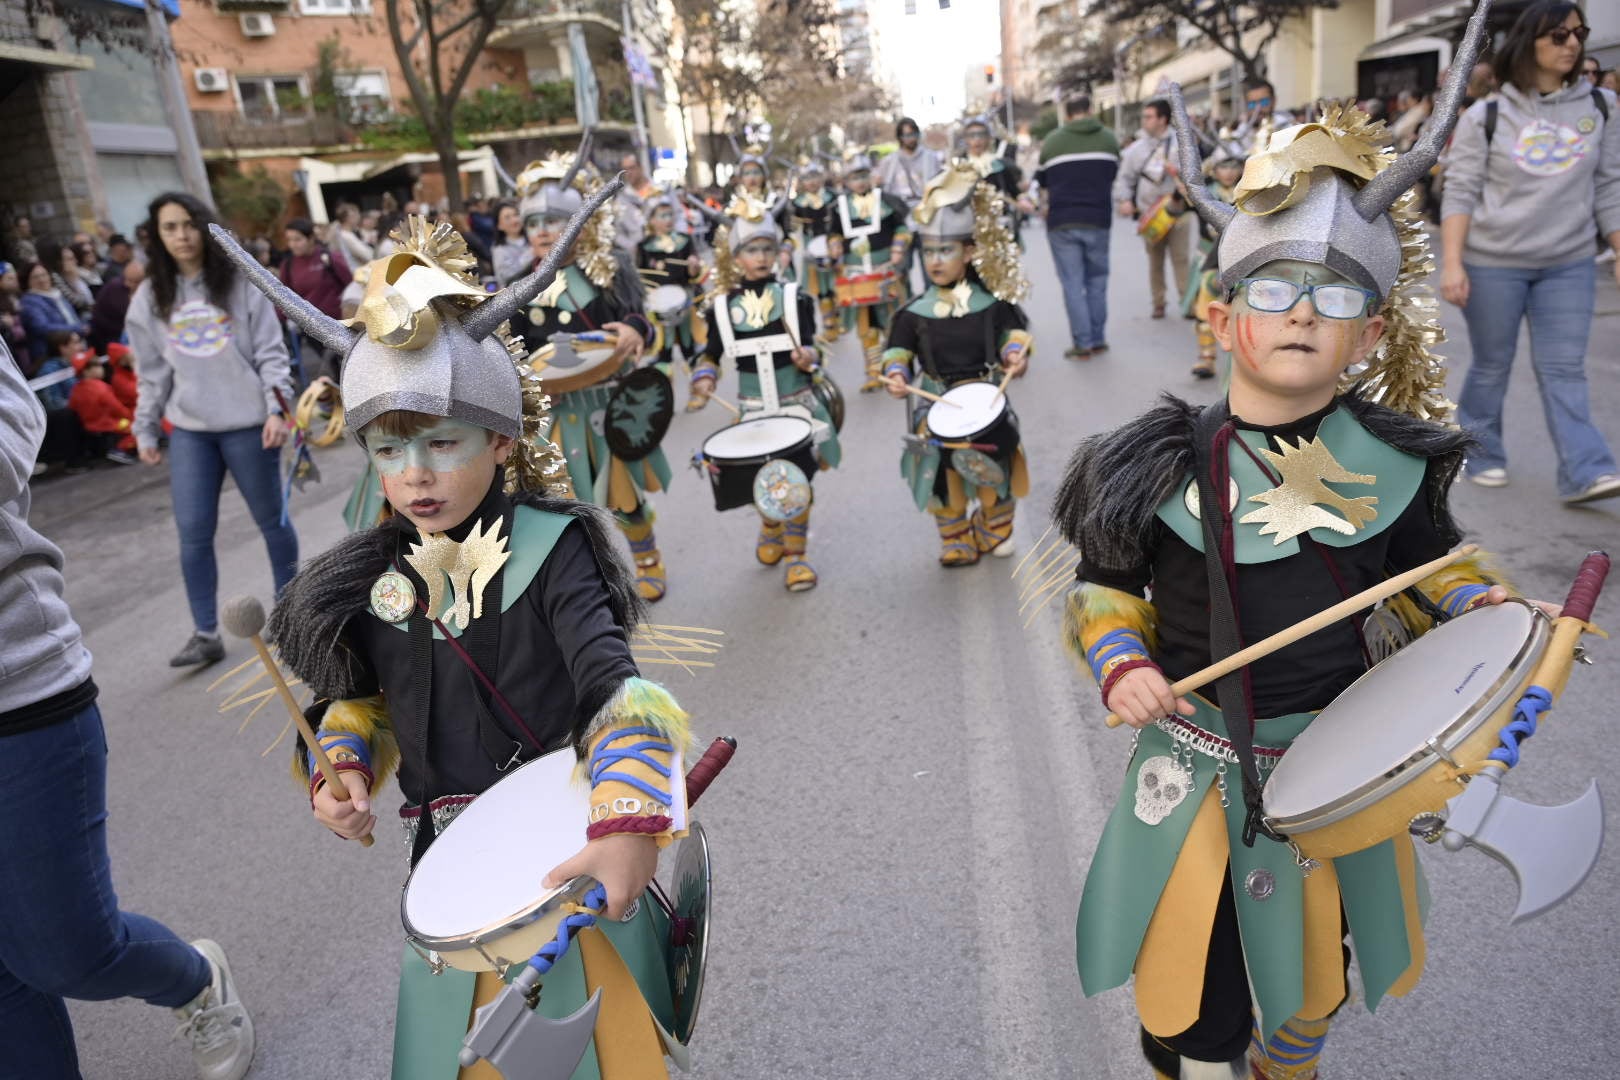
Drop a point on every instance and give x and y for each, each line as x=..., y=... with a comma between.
x=979, y=150
x=966, y=327
x=869, y=235
x=811, y=208
x=667, y=258
x=1223, y=170
x=765, y=328
x=596, y=290
x=1224, y=516
x=483, y=623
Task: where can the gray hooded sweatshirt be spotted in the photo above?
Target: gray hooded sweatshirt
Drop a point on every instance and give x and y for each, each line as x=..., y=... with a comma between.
x=204, y=369
x=42, y=653
x=1548, y=184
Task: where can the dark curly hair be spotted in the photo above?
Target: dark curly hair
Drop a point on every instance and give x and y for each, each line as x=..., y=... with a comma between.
x=219, y=273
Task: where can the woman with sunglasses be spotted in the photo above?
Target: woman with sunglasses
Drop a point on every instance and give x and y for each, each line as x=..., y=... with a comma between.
x=1521, y=197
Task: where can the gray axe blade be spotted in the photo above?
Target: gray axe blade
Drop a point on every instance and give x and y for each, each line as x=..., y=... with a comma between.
x=524, y=1045
x=1550, y=849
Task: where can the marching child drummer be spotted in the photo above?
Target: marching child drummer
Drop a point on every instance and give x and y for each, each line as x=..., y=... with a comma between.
x=765, y=328
x=966, y=327
x=1223, y=168
x=474, y=629
x=670, y=267
x=596, y=290
x=1237, y=955
x=812, y=205
x=869, y=236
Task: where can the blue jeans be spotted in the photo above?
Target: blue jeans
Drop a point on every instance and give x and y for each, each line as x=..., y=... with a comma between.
x=1081, y=255
x=198, y=461
x=61, y=933
x=1558, y=301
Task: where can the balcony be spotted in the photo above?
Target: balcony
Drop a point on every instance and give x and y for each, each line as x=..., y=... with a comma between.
x=526, y=22
x=226, y=132
x=242, y=7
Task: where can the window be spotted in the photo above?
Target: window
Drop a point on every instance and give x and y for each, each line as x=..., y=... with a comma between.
x=335, y=7
x=273, y=97
x=366, y=93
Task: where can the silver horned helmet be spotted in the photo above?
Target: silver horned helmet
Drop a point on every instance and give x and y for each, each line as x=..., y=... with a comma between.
x=545, y=194
x=460, y=368
x=1324, y=216
x=751, y=219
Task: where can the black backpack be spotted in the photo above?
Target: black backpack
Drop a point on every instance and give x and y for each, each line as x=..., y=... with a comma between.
x=1598, y=99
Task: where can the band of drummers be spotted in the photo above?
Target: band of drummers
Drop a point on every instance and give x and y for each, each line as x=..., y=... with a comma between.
x=479, y=636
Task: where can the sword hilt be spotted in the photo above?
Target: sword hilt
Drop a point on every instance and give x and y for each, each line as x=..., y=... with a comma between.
x=1583, y=592
x=715, y=758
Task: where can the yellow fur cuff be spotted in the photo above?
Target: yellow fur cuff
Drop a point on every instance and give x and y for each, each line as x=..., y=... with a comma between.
x=364, y=717
x=1020, y=337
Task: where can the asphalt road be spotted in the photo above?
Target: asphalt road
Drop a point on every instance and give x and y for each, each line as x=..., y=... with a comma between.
x=901, y=842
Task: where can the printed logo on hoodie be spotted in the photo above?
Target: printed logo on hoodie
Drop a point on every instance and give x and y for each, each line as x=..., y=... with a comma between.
x=198, y=328
x=1547, y=149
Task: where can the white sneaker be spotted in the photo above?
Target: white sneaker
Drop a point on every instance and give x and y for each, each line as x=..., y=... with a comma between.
x=1488, y=477
x=1603, y=487
x=216, y=1022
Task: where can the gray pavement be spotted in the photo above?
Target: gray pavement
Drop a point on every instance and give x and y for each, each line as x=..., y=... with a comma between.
x=901, y=842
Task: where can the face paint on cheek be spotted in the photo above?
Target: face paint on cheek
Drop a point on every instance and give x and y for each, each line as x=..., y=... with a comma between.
x=443, y=448
x=1245, y=342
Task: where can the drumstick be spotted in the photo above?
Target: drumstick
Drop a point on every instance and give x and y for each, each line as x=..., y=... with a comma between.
x=1001, y=388
x=734, y=410
x=920, y=392
x=244, y=617
x=1306, y=627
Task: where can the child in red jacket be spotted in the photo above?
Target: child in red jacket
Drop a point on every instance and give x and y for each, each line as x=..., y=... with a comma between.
x=121, y=374
x=104, y=417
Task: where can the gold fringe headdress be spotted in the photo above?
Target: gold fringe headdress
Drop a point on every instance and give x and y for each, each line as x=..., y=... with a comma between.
x=956, y=204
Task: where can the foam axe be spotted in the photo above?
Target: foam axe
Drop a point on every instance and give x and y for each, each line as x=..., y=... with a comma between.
x=1550, y=849
x=525, y=1045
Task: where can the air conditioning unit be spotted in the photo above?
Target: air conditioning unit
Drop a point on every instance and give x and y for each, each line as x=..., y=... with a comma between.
x=258, y=25
x=211, y=80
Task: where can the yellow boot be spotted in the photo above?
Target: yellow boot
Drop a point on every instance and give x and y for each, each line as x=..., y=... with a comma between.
x=872, y=344
x=800, y=575
x=1205, y=368
x=832, y=321
x=993, y=526
x=956, y=538
x=768, y=548
x=1292, y=1053
x=650, y=579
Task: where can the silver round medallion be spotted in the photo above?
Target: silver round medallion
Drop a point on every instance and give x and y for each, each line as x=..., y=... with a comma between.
x=1260, y=884
x=1190, y=497
x=392, y=597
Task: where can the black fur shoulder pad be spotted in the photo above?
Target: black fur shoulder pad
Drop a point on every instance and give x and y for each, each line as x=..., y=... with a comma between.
x=1116, y=480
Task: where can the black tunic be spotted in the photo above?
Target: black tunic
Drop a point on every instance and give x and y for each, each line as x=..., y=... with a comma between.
x=714, y=349
x=959, y=349
x=670, y=266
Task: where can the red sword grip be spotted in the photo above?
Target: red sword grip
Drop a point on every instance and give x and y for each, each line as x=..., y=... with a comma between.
x=715, y=758
x=1583, y=593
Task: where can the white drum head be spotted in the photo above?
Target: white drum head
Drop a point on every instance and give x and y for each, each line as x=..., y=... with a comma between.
x=756, y=438
x=484, y=871
x=1439, y=687
x=667, y=300
x=817, y=247
x=973, y=407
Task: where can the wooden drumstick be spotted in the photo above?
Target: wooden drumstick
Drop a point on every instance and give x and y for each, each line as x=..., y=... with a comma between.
x=734, y=410
x=1001, y=388
x=920, y=392
x=244, y=617
x=1306, y=627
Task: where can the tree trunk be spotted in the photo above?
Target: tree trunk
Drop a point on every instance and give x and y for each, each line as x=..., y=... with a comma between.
x=444, y=144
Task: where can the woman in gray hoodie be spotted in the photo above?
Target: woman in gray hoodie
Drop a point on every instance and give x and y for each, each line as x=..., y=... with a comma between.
x=1532, y=177
x=211, y=359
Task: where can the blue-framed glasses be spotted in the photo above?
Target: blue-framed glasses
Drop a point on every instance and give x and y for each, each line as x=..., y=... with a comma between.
x=1257, y=103
x=1334, y=301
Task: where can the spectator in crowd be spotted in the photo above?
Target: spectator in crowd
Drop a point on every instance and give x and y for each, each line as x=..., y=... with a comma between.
x=1591, y=70
x=61, y=348
x=1260, y=113
x=1516, y=231
x=65, y=442
x=1078, y=164
x=1147, y=177
x=481, y=220
x=121, y=375
x=903, y=174
x=1610, y=81
x=475, y=244
x=630, y=205
x=386, y=227
x=61, y=932
x=346, y=234
x=1411, y=110
x=212, y=361
x=511, y=256
x=319, y=275
x=143, y=241
x=119, y=255
x=23, y=248
x=89, y=265
x=106, y=420
x=13, y=334
x=263, y=251
x=65, y=275
x=112, y=305
x=368, y=227
x=1481, y=82
x=45, y=309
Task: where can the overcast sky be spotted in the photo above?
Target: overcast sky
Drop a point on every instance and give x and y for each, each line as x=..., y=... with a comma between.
x=929, y=53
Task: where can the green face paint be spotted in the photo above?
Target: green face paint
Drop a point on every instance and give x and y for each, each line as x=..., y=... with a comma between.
x=447, y=446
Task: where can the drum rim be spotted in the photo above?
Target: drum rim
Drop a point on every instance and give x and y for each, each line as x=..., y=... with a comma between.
x=572, y=891
x=757, y=459
x=1426, y=755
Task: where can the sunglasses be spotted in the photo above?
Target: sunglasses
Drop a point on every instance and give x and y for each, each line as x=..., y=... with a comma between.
x=1558, y=35
x=1257, y=103
x=1275, y=295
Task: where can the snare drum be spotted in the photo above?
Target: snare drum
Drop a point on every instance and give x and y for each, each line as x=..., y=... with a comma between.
x=475, y=898
x=734, y=454
x=866, y=290
x=1156, y=223
x=575, y=361
x=973, y=412
x=1389, y=749
x=669, y=304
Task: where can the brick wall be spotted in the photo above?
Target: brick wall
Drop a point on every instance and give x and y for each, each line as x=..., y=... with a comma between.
x=47, y=156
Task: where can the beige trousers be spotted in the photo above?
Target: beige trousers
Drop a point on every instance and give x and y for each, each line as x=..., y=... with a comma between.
x=1177, y=243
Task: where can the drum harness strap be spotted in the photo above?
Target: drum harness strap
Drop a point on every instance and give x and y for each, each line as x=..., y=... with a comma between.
x=764, y=346
x=925, y=351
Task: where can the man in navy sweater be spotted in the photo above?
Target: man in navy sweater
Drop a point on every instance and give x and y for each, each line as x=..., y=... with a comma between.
x=1078, y=163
